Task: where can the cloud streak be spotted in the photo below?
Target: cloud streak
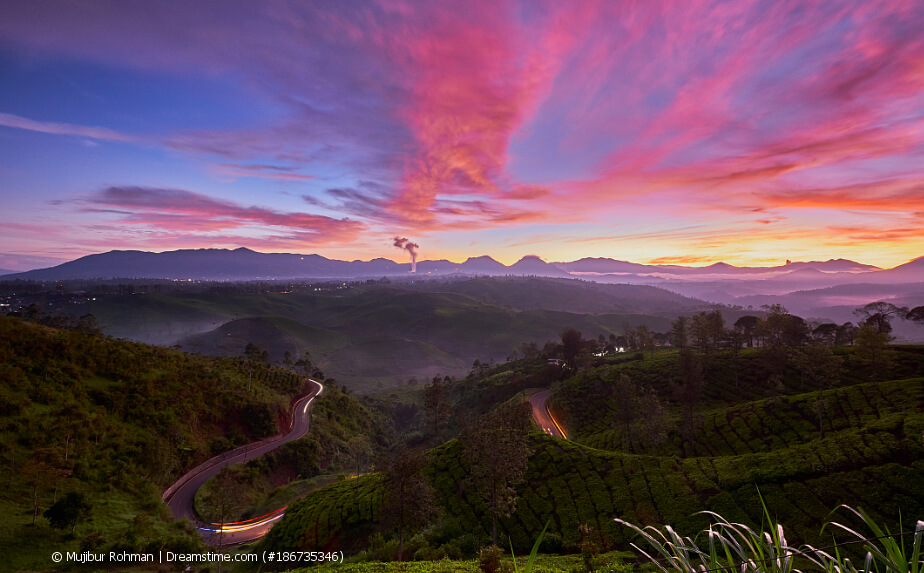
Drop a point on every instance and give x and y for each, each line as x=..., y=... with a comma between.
x=55, y=128
x=178, y=211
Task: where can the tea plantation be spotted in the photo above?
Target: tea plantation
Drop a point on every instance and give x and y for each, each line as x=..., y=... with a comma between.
x=766, y=444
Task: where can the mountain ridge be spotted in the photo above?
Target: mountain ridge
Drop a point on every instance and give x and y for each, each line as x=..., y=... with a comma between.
x=246, y=264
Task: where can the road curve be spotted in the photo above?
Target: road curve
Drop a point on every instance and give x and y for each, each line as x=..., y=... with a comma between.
x=180, y=495
x=540, y=404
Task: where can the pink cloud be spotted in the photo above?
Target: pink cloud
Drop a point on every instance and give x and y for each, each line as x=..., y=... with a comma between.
x=180, y=211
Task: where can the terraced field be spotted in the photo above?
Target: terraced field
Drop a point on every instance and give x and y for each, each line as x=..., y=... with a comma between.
x=876, y=466
x=588, y=401
x=871, y=455
x=773, y=423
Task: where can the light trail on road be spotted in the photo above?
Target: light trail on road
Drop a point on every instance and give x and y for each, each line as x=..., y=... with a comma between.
x=543, y=416
x=180, y=496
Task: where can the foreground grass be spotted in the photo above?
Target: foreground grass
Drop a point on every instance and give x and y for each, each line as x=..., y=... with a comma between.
x=543, y=564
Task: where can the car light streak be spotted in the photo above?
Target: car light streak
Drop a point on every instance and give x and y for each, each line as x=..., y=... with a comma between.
x=251, y=519
x=554, y=421
x=263, y=520
x=228, y=528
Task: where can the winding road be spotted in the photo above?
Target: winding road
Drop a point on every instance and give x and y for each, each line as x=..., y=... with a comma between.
x=540, y=404
x=180, y=495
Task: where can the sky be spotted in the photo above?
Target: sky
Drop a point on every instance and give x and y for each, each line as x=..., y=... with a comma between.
x=749, y=132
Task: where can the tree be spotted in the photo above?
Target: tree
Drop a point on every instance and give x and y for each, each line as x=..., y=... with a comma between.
x=645, y=338
x=826, y=333
x=626, y=408
x=779, y=332
x=529, y=350
x=872, y=344
x=570, y=345
x=496, y=451
x=359, y=448
x=880, y=314
x=67, y=512
x=622, y=342
x=771, y=328
x=223, y=499
x=795, y=331
x=707, y=330
x=733, y=341
x=846, y=334
x=688, y=391
x=747, y=325
x=823, y=369
x=306, y=368
x=409, y=498
x=640, y=414
x=436, y=404
x=680, y=332
x=39, y=470
x=253, y=352
x=916, y=314
x=89, y=325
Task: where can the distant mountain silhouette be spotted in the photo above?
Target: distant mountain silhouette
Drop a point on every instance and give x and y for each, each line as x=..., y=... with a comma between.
x=245, y=264
x=604, y=265
x=483, y=265
x=211, y=264
x=534, y=266
x=832, y=266
x=910, y=272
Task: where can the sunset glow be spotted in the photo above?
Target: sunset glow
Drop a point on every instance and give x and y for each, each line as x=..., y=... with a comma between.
x=657, y=132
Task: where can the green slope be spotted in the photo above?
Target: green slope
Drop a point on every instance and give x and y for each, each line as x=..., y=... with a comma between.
x=117, y=422
x=872, y=456
x=587, y=402
x=363, y=336
x=876, y=468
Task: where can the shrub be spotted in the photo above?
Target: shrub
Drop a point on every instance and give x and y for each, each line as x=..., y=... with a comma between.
x=489, y=559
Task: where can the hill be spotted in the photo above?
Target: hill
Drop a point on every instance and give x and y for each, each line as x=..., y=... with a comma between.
x=116, y=422
x=870, y=456
x=370, y=334
x=571, y=296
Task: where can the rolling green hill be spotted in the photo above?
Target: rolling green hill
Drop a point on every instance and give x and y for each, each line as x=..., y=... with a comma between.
x=116, y=422
x=871, y=456
x=568, y=295
x=587, y=402
x=381, y=334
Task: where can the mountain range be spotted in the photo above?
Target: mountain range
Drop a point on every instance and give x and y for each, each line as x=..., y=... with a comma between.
x=245, y=264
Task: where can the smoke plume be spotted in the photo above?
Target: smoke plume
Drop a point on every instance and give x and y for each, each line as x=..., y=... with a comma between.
x=403, y=243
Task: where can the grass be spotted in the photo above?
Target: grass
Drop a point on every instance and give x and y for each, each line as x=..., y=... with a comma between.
x=730, y=546
x=543, y=564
